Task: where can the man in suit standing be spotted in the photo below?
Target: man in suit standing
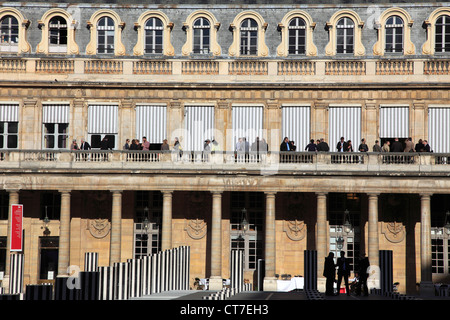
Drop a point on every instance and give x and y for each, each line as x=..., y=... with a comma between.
x=363, y=275
x=329, y=272
x=341, y=145
x=343, y=272
x=85, y=145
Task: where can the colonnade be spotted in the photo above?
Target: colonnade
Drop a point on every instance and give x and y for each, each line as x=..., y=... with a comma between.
x=216, y=234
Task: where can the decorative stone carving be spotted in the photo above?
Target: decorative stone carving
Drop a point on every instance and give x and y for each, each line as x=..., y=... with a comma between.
x=99, y=228
x=196, y=228
x=295, y=230
x=393, y=231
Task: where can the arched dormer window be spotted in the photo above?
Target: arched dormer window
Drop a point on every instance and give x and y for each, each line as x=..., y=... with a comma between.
x=438, y=32
x=58, y=33
x=13, y=29
x=153, y=28
x=394, y=33
x=344, y=30
x=106, y=33
x=201, y=29
x=248, y=35
x=296, y=35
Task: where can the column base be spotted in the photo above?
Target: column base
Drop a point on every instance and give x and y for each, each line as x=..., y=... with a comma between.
x=427, y=289
x=215, y=283
x=5, y=283
x=270, y=284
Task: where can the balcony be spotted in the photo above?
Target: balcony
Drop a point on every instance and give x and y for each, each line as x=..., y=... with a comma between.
x=271, y=163
x=134, y=70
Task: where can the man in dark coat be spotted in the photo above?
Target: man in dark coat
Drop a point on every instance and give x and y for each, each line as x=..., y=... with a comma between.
x=396, y=146
x=285, y=145
x=323, y=146
x=343, y=272
x=363, y=275
x=329, y=272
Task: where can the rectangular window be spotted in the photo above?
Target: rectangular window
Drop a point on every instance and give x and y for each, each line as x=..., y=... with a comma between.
x=48, y=247
x=103, y=123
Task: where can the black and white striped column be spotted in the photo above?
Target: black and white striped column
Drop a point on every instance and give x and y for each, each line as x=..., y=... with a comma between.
x=90, y=261
x=39, y=291
x=121, y=281
x=89, y=285
x=310, y=265
x=135, y=277
x=146, y=278
x=237, y=270
x=16, y=273
x=106, y=283
x=386, y=271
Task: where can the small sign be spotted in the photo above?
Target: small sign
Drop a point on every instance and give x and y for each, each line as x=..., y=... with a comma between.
x=16, y=227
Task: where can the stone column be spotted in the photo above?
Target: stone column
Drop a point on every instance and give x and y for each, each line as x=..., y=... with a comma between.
x=116, y=227
x=215, y=280
x=64, y=234
x=426, y=284
x=270, y=283
x=13, y=199
x=373, y=245
x=321, y=238
x=166, y=234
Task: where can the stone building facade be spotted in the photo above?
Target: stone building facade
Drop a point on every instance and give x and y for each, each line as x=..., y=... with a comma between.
x=218, y=71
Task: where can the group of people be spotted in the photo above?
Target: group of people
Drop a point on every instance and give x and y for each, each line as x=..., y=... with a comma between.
x=343, y=272
x=259, y=145
x=319, y=145
x=347, y=146
x=144, y=145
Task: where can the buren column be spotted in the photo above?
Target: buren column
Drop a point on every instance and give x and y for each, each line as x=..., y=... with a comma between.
x=116, y=227
x=215, y=280
x=270, y=283
x=166, y=234
x=13, y=199
x=426, y=284
x=64, y=234
x=321, y=238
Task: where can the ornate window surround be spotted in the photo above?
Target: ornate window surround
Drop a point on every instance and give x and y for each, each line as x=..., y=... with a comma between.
x=234, y=50
x=283, y=48
x=168, y=49
x=119, y=48
x=23, y=45
x=330, y=49
x=43, y=46
x=188, y=47
x=429, y=46
x=408, y=46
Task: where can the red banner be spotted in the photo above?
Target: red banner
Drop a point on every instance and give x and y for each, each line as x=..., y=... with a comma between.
x=16, y=227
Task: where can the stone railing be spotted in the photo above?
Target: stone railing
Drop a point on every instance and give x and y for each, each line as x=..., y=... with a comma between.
x=317, y=162
x=210, y=70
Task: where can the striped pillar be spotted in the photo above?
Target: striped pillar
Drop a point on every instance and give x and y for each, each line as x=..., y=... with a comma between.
x=237, y=270
x=386, y=277
x=166, y=234
x=91, y=261
x=16, y=273
x=121, y=280
x=106, y=283
x=13, y=199
x=116, y=228
x=146, y=271
x=89, y=285
x=39, y=292
x=270, y=254
x=64, y=236
x=215, y=281
x=135, y=277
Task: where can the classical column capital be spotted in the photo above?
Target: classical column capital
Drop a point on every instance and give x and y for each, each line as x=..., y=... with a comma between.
x=65, y=191
x=217, y=192
x=373, y=194
x=321, y=194
x=425, y=195
x=270, y=193
x=116, y=191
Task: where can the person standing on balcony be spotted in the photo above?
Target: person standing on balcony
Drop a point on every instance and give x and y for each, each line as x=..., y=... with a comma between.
x=311, y=146
x=409, y=146
x=386, y=147
x=126, y=146
x=396, y=146
x=323, y=146
x=363, y=146
x=165, y=145
x=145, y=144
x=420, y=147
x=285, y=145
x=85, y=145
x=74, y=145
x=426, y=146
x=341, y=145
x=376, y=147
x=348, y=146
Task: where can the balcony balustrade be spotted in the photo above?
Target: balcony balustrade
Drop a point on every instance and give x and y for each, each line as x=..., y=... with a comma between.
x=204, y=162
